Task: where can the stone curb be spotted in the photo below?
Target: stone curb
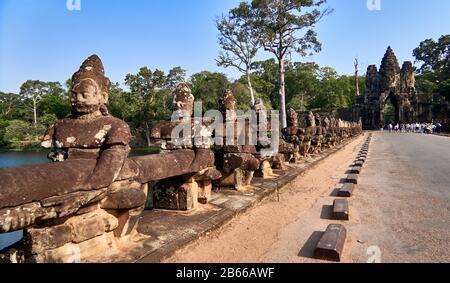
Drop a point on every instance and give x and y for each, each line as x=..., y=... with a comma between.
x=331, y=244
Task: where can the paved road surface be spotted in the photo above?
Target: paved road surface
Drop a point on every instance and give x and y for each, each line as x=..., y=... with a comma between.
x=403, y=201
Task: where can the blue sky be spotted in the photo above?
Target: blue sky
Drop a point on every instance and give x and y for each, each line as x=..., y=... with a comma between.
x=42, y=39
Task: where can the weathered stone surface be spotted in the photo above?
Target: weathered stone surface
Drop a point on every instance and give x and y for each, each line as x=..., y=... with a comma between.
x=86, y=226
x=395, y=85
x=265, y=170
x=346, y=190
x=69, y=204
x=40, y=239
x=13, y=219
x=278, y=162
x=174, y=195
x=60, y=178
x=210, y=174
x=77, y=253
x=331, y=244
x=233, y=180
x=227, y=105
x=124, y=199
x=358, y=163
x=355, y=170
x=340, y=209
x=176, y=163
x=243, y=161
x=204, y=191
x=183, y=100
x=352, y=178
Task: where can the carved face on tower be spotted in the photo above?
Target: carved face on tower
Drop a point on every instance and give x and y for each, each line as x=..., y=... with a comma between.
x=90, y=88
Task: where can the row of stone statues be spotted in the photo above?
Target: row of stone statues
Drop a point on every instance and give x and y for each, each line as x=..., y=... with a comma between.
x=91, y=197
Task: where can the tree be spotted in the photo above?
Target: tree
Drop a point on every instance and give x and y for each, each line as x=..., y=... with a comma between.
x=148, y=96
x=207, y=87
x=356, y=64
x=176, y=75
x=55, y=103
x=239, y=41
x=32, y=92
x=435, y=56
x=434, y=73
x=265, y=81
x=8, y=105
x=16, y=132
x=285, y=27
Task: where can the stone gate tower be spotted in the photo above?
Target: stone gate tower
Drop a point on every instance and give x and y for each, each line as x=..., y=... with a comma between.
x=389, y=84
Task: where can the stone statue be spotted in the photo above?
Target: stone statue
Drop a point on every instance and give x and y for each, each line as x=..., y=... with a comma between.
x=227, y=105
x=292, y=118
x=183, y=101
x=90, y=132
x=311, y=120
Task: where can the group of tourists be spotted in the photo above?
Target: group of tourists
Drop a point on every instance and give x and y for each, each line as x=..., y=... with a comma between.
x=420, y=128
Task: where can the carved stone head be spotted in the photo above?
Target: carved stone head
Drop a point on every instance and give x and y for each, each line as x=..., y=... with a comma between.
x=318, y=119
x=183, y=100
x=310, y=120
x=326, y=123
x=292, y=118
x=90, y=88
x=227, y=105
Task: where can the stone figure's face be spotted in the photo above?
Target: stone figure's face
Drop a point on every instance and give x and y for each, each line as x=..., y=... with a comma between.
x=86, y=97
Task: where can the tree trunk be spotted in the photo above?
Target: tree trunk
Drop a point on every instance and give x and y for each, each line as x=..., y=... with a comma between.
x=356, y=76
x=147, y=134
x=249, y=84
x=34, y=112
x=282, y=91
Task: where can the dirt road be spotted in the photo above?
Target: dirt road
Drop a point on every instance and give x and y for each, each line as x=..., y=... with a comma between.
x=274, y=231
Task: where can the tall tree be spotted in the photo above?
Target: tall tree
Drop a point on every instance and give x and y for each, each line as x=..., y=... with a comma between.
x=286, y=26
x=207, y=87
x=175, y=76
x=147, y=91
x=8, y=104
x=32, y=92
x=356, y=64
x=435, y=56
x=239, y=41
x=434, y=73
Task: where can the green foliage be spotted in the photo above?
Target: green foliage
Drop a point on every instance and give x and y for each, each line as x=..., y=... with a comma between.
x=32, y=92
x=16, y=132
x=242, y=95
x=308, y=86
x=207, y=87
x=57, y=104
x=434, y=73
x=48, y=119
x=265, y=81
x=3, y=125
x=435, y=56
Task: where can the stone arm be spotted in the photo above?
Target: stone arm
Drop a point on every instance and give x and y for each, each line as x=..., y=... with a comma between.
x=56, y=154
x=108, y=167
